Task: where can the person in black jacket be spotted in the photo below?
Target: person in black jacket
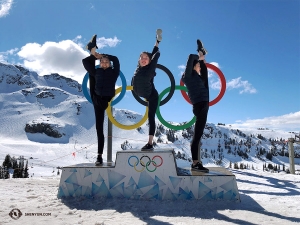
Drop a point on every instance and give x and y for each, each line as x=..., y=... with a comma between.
x=102, y=87
x=195, y=79
x=144, y=87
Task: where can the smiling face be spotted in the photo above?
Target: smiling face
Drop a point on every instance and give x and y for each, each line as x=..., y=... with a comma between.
x=104, y=63
x=144, y=59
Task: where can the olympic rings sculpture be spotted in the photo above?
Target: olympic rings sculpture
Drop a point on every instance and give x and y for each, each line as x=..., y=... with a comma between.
x=161, y=119
x=223, y=86
x=122, y=126
x=172, y=80
x=170, y=90
x=143, y=164
x=114, y=102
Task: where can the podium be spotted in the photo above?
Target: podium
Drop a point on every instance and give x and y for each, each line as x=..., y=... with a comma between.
x=140, y=174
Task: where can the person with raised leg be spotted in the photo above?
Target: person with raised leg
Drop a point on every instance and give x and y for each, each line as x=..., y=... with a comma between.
x=195, y=79
x=102, y=87
x=143, y=85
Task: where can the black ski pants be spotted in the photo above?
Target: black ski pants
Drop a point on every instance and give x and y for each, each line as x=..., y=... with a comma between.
x=152, y=106
x=100, y=102
x=100, y=105
x=200, y=110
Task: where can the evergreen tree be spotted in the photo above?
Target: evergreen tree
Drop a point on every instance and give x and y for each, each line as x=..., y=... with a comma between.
x=26, y=175
x=16, y=170
x=20, y=173
x=269, y=156
x=7, y=162
x=236, y=166
x=6, y=176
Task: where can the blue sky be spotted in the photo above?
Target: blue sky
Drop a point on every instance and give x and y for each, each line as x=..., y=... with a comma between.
x=255, y=43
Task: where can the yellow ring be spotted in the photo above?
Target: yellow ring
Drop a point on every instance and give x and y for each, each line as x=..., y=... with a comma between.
x=143, y=168
x=122, y=126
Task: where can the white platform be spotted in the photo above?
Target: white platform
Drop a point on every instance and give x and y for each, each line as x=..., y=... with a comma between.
x=147, y=175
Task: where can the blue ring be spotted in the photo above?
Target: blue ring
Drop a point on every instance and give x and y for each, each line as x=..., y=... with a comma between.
x=115, y=101
x=136, y=159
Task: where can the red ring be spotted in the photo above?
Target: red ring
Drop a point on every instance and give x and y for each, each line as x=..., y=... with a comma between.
x=223, y=86
x=161, y=162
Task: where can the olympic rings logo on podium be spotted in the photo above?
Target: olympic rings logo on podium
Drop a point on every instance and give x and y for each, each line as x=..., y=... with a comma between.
x=144, y=165
x=170, y=90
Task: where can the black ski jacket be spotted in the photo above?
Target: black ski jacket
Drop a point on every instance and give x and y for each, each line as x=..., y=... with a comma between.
x=105, y=80
x=196, y=84
x=143, y=76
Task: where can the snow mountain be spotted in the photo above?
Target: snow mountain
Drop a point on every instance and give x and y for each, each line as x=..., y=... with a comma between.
x=49, y=116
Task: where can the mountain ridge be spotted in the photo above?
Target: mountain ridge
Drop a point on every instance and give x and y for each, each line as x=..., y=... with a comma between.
x=33, y=107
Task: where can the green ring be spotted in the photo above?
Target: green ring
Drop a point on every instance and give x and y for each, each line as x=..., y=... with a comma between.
x=165, y=123
x=148, y=164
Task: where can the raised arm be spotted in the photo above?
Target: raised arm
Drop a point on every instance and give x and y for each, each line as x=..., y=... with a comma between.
x=189, y=64
x=112, y=58
x=116, y=63
x=155, y=56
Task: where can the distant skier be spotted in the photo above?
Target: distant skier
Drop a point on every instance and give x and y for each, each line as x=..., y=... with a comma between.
x=144, y=87
x=102, y=86
x=195, y=79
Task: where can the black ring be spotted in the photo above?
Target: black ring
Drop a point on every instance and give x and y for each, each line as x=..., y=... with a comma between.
x=169, y=96
x=143, y=161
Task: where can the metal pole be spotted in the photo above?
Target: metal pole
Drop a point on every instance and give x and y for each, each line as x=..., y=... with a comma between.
x=109, y=139
x=291, y=155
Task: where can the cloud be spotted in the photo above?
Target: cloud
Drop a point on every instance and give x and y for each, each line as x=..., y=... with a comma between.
x=181, y=67
x=181, y=70
x=287, y=122
x=92, y=6
x=64, y=57
x=107, y=42
x=5, y=6
x=5, y=55
x=238, y=83
x=215, y=64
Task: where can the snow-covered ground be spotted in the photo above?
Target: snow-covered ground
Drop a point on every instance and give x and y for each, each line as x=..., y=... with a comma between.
x=266, y=198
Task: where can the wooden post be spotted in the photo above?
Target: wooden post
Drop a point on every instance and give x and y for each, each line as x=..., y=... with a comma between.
x=109, y=139
x=291, y=155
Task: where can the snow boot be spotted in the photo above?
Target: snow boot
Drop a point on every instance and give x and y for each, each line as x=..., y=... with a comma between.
x=99, y=161
x=92, y=43
x=199, y=167
x=147, y=147
x=200, y=47
x=158, y=35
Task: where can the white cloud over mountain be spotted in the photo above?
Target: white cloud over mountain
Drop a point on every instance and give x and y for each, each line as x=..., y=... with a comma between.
x=64, y=57
x=243, y=86
x=290, y=121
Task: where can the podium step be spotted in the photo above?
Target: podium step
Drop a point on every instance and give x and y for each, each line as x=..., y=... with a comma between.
x=140, y=174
